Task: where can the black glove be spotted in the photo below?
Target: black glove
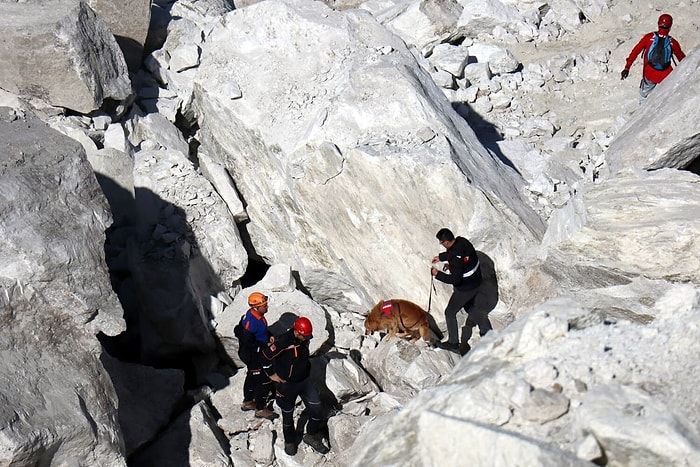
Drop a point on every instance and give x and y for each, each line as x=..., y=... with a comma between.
x=624, y=74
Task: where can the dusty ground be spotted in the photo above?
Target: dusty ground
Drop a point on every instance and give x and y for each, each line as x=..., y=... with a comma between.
x=596, y=105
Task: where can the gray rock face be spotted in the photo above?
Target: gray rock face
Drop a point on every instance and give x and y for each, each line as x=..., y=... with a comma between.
x=129, y=21
x=60, y=52
x=57, y=404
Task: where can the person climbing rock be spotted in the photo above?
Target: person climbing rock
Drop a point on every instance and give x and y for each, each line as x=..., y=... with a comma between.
x=465, y=277
x=658, y=48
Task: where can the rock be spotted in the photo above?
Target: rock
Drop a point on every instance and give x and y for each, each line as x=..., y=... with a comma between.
x=56, y=297
x=403, y=368
x=321, y=150
x=129, y=21
x=64, y=40
x=193, y=439
x=650, y=143
x=634, y=429
x=147, y=397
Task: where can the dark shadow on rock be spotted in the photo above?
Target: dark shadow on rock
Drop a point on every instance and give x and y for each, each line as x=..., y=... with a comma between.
x=486, y=132
x=132, y=50
x=164, y=284
x=487, y=298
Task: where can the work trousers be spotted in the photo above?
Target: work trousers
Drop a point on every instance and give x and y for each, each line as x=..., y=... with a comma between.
x=465, y=300
x=257, y=386
x=287, y=394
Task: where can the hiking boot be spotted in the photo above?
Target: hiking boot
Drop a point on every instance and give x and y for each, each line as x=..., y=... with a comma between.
x=464, y=349
x=316, y=442
x=248, y=405
x=265, y=413
x=450, y=346
x=290, y=449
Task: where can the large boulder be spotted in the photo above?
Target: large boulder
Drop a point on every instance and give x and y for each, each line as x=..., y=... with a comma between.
x=355, y=152
x=58, y=404
x=129, y=21
x=59, y=51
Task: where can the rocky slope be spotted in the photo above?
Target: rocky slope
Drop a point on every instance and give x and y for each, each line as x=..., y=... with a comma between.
x=311, y=150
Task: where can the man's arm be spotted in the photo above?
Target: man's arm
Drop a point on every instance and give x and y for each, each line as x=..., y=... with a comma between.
x=676, y=48
x=641, y=45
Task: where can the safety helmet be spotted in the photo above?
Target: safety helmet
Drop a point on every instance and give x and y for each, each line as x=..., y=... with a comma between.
x=257, y=299
x=303, y=326
x=665, y=21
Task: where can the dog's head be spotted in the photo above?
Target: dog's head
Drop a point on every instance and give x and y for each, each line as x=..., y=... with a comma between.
x=372, y=321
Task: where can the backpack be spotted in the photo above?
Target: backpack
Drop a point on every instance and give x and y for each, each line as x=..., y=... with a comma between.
x=247, y=345
x=659, y=53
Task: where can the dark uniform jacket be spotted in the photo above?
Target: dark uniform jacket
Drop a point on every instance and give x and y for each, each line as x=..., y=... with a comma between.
x=463, y=264
x=289, y=357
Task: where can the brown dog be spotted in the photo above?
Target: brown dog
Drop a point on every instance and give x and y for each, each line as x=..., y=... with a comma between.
x=400, y=318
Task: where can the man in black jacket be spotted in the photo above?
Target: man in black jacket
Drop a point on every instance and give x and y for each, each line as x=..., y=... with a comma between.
x=465, y=277
x=291, y=372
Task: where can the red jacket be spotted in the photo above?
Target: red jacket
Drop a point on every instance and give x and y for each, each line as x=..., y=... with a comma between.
x=649, y=72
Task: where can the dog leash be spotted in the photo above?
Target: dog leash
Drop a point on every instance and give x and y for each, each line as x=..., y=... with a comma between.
x=432, y=287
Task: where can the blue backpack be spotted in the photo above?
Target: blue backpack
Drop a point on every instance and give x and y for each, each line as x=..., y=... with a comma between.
x=659, y=53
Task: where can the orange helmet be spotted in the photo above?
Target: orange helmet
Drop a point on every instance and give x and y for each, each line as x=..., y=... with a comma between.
x=257, y=299
x=665, y=21
x=303, y=326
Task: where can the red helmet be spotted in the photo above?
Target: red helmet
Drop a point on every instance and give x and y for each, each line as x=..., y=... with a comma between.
x=665, y=21
x=303, y=326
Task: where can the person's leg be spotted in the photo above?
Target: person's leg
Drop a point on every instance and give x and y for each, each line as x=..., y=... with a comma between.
x=286, y=397
x=263, y=390
x=453, y=306
x=248, y=392
x=478, y=315
x=467, y=330
x=314, y=435
x=312, y=401
x=645, y=87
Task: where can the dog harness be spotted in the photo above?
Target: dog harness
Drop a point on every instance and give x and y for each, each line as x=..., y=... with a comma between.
x=387, y=307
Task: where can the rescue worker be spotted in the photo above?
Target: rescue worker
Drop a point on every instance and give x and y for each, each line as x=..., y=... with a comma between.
x=291, y=372
x=465, y=277
x=257, y=387
x=652, y=76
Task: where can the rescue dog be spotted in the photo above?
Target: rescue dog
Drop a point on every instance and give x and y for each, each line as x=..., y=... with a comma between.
x=399, y=318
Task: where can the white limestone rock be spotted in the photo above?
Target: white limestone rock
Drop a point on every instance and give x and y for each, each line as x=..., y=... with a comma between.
x=499, y=448
x=500, y=59
x=421, y=23
x=657, y=214
x=66, y=41
x=633, y=428
x=403, y=368
x=325, y=158
x=450, y=58
x=482, y=16
x=649, y=142
x=220, y=178
x=345, y=378
x=173, y=179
